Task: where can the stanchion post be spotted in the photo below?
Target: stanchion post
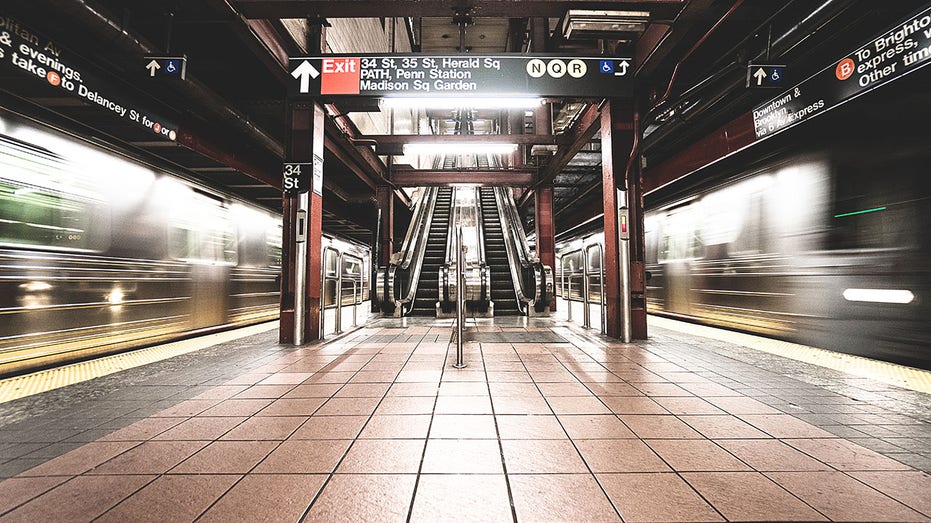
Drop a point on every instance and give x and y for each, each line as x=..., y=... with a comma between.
x=460, y=297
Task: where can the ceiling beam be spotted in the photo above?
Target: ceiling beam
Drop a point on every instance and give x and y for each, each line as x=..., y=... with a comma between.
x=585, y=127
x=275, y=9
x=520, y=139
x=434, y=177
x=266, y=170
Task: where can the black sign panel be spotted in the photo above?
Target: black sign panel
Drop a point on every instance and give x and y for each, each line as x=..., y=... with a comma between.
x=760, y=76
x=460, y=76
x=902, y=49
x=25, y=51
x=296, y=178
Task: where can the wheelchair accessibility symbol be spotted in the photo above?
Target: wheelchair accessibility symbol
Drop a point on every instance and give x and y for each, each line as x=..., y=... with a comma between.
x=606, y=66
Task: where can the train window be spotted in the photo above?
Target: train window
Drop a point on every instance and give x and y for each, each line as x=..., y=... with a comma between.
x=869, y=212
x=47, y=202
x=273, y=243
x=201, y=231
x=681, y=236
x=351, y=289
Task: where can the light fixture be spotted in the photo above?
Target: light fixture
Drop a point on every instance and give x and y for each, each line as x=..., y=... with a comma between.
x=586, y=24
x=879, y=295
x=459, y=148
x=460, y=103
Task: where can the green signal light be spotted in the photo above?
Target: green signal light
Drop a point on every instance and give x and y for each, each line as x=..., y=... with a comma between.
x=864, y=211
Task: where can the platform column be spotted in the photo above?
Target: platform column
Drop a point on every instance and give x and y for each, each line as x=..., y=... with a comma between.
x=303, y=230
x=384, y=197
x=617, y=131
x=545, y=231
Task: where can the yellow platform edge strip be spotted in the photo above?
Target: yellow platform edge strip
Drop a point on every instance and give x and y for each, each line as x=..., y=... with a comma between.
x=50, y=379
x=899, y=375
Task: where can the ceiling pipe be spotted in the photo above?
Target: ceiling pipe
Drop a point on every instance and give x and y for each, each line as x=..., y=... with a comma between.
x=217, y=109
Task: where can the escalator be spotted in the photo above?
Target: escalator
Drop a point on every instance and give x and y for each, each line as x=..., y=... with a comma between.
x=496, y=257
x=434, y=256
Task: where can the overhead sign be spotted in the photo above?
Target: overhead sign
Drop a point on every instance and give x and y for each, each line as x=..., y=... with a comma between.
x=459, y=76
x=765, y=76
x=892, y=54
x=296, y=178
x=25, y=51
x=171, y=66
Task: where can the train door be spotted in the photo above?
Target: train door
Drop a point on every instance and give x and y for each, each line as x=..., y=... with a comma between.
x=345, y=288
x=594, y=287
x=331, y=313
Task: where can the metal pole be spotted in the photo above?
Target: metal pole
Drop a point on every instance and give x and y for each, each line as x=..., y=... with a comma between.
x=300, y=267
x=623, y=229
x=460, y=297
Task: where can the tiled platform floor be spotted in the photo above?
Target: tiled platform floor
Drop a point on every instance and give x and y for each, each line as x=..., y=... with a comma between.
x=546, y=423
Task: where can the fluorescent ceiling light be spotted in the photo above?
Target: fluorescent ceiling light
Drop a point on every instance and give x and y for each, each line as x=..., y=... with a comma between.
x=459, y=148
x=879, y=295
x=461, y=103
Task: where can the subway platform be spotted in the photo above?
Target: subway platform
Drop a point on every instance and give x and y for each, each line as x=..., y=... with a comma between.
x=548, y=422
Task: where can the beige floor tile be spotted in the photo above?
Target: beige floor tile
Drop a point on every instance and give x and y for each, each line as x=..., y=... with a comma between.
x=292, y=407
x=383, y=456
x=750, y=496
x=152, y=457
x=560, y=497
x=723, y=427
x=520, y=405
x=478, y=498
x=16, y=491
x=397, y=427
x=649, y=497
x=406, y=405
x=351, y=498
x=348, y=407
x=265, y=428
x=741, y=405
x=529, y=427
x=542, y=457
x=770, y=455
x=226, y=457
x=143, y=429
x=201, y=428
x=449, y=456
x=463, y=405
x=633, y=405
x=687, y=405
x=595, y=426
x=659, y=427
x=330, y=427
x=620, y=455
x=266, y=497
x=264, y=392
x=304, y=457
x=785, y=426
x=842, y=498
x=463, y=426
x=176, y=498
x=845, y=455
x=80, y=499
x=81, y=459
x=577, y=405
x=236, y=407
x=912, y=488
x=695, y=455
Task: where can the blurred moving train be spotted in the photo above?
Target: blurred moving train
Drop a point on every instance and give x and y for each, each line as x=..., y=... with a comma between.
x=828, y=246
x=100, y=253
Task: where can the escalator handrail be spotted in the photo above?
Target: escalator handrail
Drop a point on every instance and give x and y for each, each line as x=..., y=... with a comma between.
x=518, y=251
x=415, y=243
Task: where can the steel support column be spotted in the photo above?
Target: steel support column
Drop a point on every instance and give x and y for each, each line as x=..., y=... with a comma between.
x=303, y=232
x=637, y=243
x=545, y=230
x=384, y=194
x=616, y=145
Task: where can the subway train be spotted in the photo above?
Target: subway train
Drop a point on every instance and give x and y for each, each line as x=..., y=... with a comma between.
x=101, y=253
x=825, y=245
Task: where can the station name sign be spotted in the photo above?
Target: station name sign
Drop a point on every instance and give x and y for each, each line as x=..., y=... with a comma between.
x=892, y=54
x=460, y=76
x=25, y=51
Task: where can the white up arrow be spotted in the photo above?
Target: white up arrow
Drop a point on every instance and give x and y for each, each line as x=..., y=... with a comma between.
x=760, y=74
x=152, y=67
x=623, y=65
x=305, y=72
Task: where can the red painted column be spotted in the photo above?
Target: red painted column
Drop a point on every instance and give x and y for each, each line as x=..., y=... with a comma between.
x=384, y=195
x=637, y=245
x=305, y=145
x=546, y=231
x=616, y=145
